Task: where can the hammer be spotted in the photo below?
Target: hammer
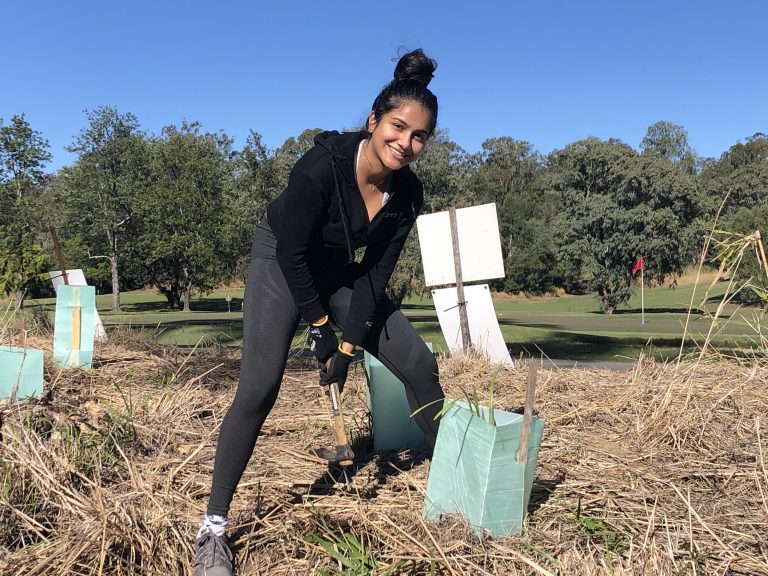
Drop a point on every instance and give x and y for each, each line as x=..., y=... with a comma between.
x=342, y=454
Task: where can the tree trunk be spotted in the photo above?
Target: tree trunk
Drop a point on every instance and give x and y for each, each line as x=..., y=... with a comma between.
x=112, y=239
x=20, y=291
x=608, y=306
x=172, y=295
x=20, y=299
x=187, y=290
x=115, y=283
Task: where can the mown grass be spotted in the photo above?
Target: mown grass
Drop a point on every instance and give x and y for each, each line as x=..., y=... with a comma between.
x=564, y=327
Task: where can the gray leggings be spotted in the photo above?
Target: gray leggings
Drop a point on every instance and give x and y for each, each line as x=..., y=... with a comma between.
x=270, y=321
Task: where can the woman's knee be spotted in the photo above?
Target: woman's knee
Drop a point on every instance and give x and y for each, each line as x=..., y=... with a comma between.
x=254, y=397
x=426, y=365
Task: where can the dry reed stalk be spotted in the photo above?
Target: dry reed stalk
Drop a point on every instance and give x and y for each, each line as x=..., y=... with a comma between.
x=109, y=473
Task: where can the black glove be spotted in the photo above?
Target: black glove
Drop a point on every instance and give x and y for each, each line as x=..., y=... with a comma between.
x=322, y=340
x=337, y=370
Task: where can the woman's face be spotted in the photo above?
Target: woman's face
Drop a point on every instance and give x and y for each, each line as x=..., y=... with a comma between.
x=399, y=136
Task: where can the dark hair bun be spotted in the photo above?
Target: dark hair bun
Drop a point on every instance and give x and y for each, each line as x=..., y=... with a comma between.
x=412, y=75
x=415, y=66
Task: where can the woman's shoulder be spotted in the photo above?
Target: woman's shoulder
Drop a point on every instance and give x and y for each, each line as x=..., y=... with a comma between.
x=329, y=147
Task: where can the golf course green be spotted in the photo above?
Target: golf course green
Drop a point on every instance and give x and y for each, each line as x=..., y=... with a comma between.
x=558, y=327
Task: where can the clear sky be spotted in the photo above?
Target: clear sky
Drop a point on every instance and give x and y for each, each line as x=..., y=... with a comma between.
x=549, y=72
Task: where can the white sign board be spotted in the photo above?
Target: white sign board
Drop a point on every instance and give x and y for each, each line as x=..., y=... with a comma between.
x=479, y=245
x=484, y=330
x=77, y=278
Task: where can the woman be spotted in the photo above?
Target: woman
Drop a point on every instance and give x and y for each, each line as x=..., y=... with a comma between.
x=349, y=191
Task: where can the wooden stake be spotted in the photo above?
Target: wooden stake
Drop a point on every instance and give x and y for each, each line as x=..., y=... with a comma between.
x=22, y=332
x=466, y=340
x=76, y=315
x=59, y=256
x=525, y=432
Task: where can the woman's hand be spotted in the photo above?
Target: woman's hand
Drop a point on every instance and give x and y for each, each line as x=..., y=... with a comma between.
x=338, y=367
x=322, y=339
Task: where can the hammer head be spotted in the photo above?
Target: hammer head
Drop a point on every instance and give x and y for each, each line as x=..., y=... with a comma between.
x=341, y=455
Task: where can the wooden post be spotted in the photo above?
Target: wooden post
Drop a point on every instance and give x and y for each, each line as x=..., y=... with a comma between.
x=525, y=432
x=22, y=332
x=463, y=320
x=59, y=256
x=76, y=326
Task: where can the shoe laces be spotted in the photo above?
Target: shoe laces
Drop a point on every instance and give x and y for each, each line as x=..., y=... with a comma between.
x=212, y=551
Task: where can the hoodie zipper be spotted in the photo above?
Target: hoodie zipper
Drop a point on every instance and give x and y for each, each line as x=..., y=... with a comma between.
x=340, y=183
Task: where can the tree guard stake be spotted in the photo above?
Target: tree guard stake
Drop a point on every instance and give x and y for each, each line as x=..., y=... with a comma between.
x=76, y=315
x=463, y=320
x=59, y=255
x=525, y=432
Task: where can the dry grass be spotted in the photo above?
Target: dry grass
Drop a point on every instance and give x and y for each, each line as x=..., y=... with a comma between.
x=661, y=470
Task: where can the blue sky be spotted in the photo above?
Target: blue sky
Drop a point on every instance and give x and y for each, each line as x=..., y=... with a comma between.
x=549, y=72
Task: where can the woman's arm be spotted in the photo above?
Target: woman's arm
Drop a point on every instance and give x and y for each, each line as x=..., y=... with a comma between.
x=304, y=211
x=377, y=266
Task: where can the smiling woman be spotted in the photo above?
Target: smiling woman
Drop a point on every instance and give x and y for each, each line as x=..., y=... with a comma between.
x=397, y=139
x=350, y=191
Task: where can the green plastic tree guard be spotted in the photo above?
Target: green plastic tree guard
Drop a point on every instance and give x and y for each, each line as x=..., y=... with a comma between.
x=393, y=427
x=21, y=372
x=74, y=328
x=475, y=472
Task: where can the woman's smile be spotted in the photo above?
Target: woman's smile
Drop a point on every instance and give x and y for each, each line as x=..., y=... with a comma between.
x=398, y=138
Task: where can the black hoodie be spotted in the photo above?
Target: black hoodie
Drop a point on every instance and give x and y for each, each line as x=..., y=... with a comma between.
x=319, y=221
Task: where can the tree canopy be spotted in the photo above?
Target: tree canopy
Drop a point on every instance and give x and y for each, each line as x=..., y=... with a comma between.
x=617, y=206
x=23, y=154
x=177, y=210
x=99, y=192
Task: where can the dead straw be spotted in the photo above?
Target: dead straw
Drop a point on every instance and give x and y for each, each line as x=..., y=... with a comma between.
x=658, y=470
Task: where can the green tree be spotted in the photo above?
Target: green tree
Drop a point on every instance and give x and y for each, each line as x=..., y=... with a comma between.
x=508, y=168
x=99, y=191
x=184, y=212
x=667, y=140
x=288, y=153
x=444, y=170
x=509, y=175
x=746, y=221
x=617, y=206
x=259, y=176
x=23, y=153
x=295, y=148
x=740, y=175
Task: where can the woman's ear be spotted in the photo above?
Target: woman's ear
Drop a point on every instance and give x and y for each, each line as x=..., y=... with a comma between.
x=371, y=122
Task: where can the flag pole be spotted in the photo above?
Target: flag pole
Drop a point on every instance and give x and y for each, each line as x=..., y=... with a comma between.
x=642, y=297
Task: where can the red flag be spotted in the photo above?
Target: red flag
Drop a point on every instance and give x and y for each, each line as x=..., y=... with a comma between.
x=638, y=266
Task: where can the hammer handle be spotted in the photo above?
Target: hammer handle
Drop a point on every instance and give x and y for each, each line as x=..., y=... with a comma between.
x=338, y=417
x=339, y=431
